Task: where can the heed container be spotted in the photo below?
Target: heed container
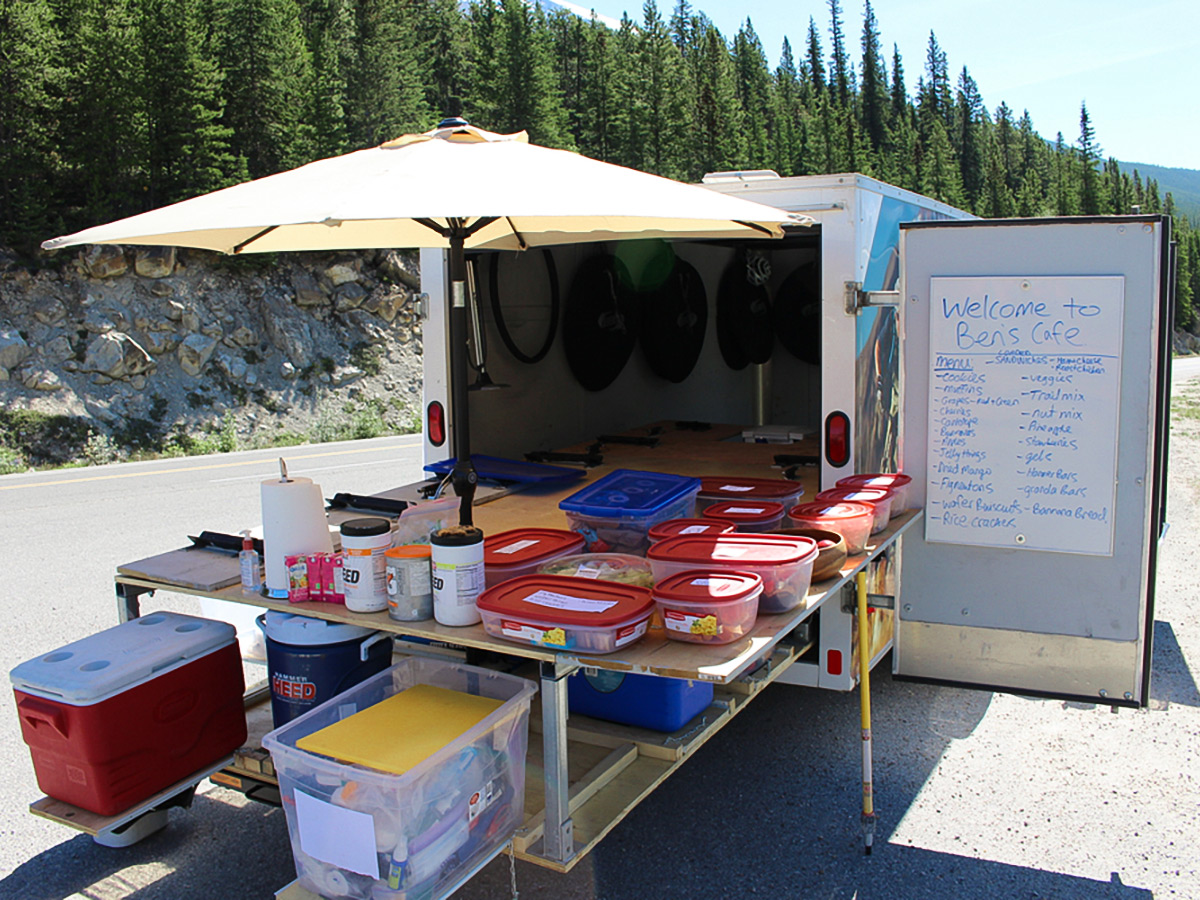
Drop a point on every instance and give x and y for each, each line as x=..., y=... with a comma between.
x=647, y=701
x=522, y=551
x=616, y=512
x=426, y=829
x=125, y=713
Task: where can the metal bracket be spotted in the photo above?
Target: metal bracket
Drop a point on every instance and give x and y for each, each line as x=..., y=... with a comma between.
x=857, y=299
x=420, y=306
x=849, y=602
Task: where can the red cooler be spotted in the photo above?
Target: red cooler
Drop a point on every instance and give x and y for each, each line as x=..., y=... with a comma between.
x=118, y=716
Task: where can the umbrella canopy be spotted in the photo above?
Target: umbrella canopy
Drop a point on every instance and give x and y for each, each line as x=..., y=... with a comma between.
x=507, y=194
x=456, y=187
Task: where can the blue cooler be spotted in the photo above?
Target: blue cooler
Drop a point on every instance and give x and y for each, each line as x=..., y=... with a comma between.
x=647, y=701
x=310, y=660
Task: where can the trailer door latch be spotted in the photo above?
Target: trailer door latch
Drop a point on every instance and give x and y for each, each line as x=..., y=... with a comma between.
x=849, y=602
x=857, y=299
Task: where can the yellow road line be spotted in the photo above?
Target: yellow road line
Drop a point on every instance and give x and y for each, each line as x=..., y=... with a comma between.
x=228, y=465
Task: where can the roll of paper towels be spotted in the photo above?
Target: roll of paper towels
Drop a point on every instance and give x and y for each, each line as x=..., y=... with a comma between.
x=293, y=515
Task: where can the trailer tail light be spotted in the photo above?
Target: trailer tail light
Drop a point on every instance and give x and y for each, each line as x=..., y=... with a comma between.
x=833, y=662
x=435, y=423
x=837, y=439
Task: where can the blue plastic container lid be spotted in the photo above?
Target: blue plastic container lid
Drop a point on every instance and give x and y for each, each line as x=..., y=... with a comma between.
x=628, y=492
x=308, y=631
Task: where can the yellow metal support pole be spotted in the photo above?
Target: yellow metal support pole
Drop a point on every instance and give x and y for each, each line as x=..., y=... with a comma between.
x=864, y=694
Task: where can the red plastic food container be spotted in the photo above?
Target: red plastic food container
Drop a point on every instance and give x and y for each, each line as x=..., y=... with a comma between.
x=706, y=525
x=511, y=554
x=719, y=488
x=748, y=515
x=120, y=715
x=879, y=499
x=708, y=607
x=896, y=482
x=784, y=563
x=851, y=520
x=559, y=612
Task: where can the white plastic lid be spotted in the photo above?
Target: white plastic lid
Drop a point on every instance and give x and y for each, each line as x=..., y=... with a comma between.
x=109, y=661
x=306, y=631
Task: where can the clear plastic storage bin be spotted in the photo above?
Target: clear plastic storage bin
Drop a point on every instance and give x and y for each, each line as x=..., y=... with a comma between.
x=616, y=512
x=429, y=828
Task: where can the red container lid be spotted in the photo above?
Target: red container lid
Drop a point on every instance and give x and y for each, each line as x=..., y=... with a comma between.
x=869, y=496
x=751, y=549
x=877, y=479
x=826, y=510
x=744, y=511
x=707, y=525
x=749, y=488
x=709, y=587
x=528, y=546
x=563, y=600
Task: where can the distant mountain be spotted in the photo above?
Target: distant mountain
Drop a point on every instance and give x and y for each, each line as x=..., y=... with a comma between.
x=1182, y=184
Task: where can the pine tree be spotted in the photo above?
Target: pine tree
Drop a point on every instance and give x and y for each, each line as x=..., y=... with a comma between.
x=668, y=100
x=442, y=54
x=933, y=95
x=874, y=92
x=839, y=64
x=720, y=138
x=329, y=34
x=1064, y=188
x=899, y=93
x=970, y=115
x=1090, y=187
x=30, y=84
x=996, y=200
x=816, y=66
x=527, y=90
x=384, y=98
x=940, y=176
x=786, y=114
x=754, y=95
x=1007, y=145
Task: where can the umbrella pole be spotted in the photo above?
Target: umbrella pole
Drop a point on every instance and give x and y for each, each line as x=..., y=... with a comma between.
x=864, y=693
x=463, y=477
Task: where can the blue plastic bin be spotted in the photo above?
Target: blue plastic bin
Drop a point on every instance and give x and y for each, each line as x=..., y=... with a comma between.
x=647, y=701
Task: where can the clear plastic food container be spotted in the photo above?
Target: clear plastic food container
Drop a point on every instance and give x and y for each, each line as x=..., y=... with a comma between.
x=558, y=612
x=784, y=563
x=522, y=551
x=753, y=516
x=717, y=489
x=616, y=512
x=623, y=568
x=878, y=499
x=427, y=826
x=707, y=606
x=851, y=520
x=896, y=482
x=703, y=525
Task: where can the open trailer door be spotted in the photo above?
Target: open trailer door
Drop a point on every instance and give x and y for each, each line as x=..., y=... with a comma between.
x=1036, y=366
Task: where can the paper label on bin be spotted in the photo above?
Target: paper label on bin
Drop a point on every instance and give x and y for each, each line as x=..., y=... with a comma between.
x=701, y=582
x=481, y=800
x=554, y=637
x=736, y=487
x=745, y=510
x=695, y=529
x=587, y=570
x=517, y=546
x=729, y=551
x=686, y=623
x=564, y=601
x=630, y=633
x=333, y=834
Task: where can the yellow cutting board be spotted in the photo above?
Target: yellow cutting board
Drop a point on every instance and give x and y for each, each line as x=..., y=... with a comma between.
x=403, y=730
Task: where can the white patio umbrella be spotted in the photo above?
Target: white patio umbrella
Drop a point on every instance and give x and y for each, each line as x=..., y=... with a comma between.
x=456, y=187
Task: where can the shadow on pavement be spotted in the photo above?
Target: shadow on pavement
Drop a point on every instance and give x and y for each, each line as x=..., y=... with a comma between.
x=1171, y=681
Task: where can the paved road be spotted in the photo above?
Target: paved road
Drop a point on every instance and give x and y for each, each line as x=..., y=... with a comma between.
x=980, y=795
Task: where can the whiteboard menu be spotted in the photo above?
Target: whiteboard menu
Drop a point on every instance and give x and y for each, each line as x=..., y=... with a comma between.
x=1023, y=401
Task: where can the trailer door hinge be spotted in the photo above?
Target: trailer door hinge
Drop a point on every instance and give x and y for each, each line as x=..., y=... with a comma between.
x=420, y=306
x=876, y=601
x=857, y=299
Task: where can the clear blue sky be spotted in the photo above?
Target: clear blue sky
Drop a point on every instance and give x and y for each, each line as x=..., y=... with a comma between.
x=1133, y=62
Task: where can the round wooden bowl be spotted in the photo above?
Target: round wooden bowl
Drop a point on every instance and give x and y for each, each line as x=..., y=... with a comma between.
x=831, y=559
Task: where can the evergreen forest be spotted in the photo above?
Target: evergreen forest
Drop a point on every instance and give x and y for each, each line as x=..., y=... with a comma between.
x=112, y=107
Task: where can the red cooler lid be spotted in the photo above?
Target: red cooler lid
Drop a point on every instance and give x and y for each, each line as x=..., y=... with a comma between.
x=707, y=525
x=749, y=488
x=751, y=549
x=869, y=496
x=699, y=586
x=826, y=510
x=564, y=600
x=742, y=511
x=528, y=546
x=877, y=479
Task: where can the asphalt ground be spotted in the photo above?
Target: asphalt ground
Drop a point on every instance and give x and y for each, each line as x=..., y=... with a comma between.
x=979, y=795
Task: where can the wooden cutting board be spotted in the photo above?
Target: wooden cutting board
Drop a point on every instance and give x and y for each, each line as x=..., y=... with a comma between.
x=193, y=567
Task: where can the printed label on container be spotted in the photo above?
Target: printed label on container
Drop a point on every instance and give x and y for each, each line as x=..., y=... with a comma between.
x=739, y=488
x=701, y=582
x=587, y=570
x=630, y=633
x=727, y=551
x=516, y=547
x=564, y=601
x=687, y=623
x=553, y=637
x=481, y=800
x=695, y=529
x=745, y=510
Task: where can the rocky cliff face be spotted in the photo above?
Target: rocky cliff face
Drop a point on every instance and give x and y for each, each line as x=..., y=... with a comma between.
x=142, y=344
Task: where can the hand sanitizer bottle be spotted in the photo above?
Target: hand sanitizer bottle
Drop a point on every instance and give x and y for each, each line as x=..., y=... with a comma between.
x=251, y=571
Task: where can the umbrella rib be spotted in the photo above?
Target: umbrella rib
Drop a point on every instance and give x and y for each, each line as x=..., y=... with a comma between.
x=238, y=248
x=520, y=237
x=766, y=231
